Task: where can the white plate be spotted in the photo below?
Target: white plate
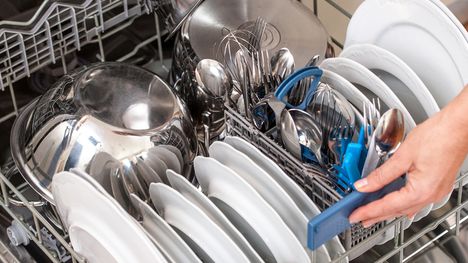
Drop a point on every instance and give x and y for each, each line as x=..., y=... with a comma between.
x=452, y=17
x=308, y=208
x=97, y=219
x=249, y=212
x=207, y=240
x=163, y=235
x=145, y=172
x=100, y=167
x=175, y=151
x=158, y=166
x=368, y=83
x=168, y=157
x=399, y=77
x=184, y=187
x=420, y=34
x=268, y=188
x=346, y=88
x=349, y=91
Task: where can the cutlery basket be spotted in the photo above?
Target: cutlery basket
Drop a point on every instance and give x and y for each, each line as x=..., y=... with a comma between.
x=311, y=179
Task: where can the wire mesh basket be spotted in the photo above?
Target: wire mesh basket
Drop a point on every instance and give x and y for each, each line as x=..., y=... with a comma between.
x=312, y=179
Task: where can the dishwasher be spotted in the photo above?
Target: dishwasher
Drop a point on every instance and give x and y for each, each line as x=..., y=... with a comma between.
x=56, y=37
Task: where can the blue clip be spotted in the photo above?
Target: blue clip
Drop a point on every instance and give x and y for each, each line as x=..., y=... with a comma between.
x=291, y=81
x=353, y=161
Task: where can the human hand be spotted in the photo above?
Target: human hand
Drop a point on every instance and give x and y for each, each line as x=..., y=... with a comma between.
x=431, y=156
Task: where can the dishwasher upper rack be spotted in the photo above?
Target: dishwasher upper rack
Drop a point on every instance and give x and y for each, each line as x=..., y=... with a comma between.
x=57, y=29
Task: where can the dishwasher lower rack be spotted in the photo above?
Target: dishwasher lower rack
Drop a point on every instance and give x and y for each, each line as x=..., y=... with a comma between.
x=356, y=240
x=36, y=226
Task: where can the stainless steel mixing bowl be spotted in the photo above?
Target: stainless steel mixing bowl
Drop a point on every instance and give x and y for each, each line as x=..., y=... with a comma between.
x=112, y=107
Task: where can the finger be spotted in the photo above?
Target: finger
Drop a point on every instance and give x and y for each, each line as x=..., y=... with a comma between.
x=396, y=166
x=387, y=206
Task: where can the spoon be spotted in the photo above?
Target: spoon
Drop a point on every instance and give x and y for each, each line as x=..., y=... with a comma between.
x=299, y=92
x=389, y=132
x=301, y=134
x=282, y=64
x=386, y=139
x=212, y=76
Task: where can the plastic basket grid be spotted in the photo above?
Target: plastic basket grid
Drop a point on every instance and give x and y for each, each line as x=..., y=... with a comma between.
x=309, y=178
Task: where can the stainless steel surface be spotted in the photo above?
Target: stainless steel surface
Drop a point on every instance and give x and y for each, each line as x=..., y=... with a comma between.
x=289, y=24
x=308, y=132
x=282, y=63
x=212, y=76
x=389, y=132
x=289, y=134
x=111, y=107
x=332, y=111
x=175, y=12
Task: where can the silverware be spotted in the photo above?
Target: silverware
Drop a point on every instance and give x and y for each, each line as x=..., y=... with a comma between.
x=332, y=111
x=212, y=76
x=388, y=135
x=301, y=133
x=298, y=93
x=336, y=139
x=282, y=64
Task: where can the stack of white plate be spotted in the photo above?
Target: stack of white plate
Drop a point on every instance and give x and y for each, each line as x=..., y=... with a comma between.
x=246, y=210
x=412, y=55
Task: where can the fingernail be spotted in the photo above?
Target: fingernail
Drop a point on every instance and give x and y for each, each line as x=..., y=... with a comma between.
x=367, y=225
x=360, y=183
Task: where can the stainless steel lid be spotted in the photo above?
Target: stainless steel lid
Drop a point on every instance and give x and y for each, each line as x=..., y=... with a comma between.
x=290, y=24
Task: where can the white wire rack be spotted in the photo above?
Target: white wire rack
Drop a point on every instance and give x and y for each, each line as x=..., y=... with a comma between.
x=56, y=30
x=59, y=28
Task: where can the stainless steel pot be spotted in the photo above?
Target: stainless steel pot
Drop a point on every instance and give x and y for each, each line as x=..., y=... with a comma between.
x=112, y=107
x=289, y=24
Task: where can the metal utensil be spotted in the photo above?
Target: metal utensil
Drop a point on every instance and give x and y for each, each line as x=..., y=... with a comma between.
x=212, y=76
x=299, y=92
x=332, y=110
x=389, y=132
x=388, y=135
x=301, y=133
x=282, y=64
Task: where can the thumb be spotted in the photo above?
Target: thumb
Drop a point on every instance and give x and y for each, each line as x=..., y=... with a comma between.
x=394, y=167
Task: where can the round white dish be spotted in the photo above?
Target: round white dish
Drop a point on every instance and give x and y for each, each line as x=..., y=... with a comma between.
x=368, y=83
x=308, y=208
x=346, y=88
x=100, y=168
x=398, y=76
x=206, y=239
x=184, y=187
x=452, y=17
x=158, y=166
x=420, y=34
x=175, y=151
x=163, y=235
x=144, y=170
x=168, y=157
x=249, y=212
x=269, y=189
x=101, y=222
